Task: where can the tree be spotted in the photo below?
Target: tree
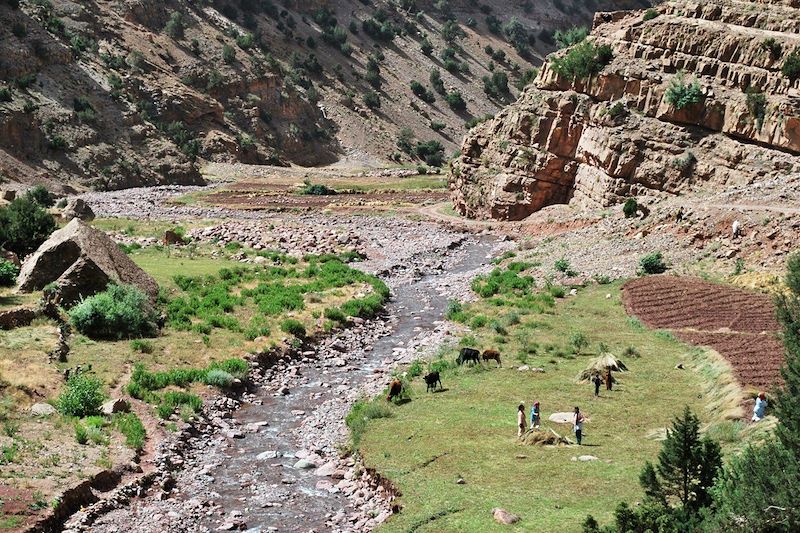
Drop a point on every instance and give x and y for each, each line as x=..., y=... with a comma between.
x=758, y=491
x=24, y=225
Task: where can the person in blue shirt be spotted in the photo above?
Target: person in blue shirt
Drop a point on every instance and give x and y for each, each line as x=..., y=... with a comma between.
x=760, y=408
x=535, y=416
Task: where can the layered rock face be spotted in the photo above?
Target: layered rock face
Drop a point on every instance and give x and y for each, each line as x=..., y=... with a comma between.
x=617, y=134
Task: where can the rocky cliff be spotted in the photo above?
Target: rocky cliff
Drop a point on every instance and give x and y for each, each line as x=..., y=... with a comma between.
x=693, y=95
x=118, y=93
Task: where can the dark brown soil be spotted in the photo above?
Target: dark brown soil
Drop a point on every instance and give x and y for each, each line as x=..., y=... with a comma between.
x=739, y=324
x=16, y=508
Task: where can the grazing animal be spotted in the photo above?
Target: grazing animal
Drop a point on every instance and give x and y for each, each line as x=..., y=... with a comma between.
x=492, y=354
x=431, y=380
x=395, y=389
x=468, y=354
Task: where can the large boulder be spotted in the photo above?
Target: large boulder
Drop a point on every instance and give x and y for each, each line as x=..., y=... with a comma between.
x=82, y=261
x=77, y=208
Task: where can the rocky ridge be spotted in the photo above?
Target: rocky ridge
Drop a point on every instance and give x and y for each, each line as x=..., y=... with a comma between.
x=598, y=140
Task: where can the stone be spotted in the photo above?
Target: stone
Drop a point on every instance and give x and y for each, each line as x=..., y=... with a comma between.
x=326, y=470
x=8, y=195
x=304, y=464
x=77, y=208
x=42, y=409
x=118, y=405
x=82, y=260
x=269, y=454
x=501, y=516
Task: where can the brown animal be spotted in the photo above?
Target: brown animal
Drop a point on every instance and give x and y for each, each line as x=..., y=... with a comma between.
x=171, y=237
x=395, y=389
x=492, y=354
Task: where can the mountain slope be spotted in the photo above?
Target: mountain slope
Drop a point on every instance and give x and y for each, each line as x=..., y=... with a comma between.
x=118, y=93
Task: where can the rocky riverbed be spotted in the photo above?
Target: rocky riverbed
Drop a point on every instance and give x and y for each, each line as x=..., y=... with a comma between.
x=270, y=459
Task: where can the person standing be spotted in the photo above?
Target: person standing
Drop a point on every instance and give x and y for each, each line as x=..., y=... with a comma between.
x=760, y=409
x=520, y=420
x=578, y=424
x=609, y=379
x=535, y=416
x=597, y=380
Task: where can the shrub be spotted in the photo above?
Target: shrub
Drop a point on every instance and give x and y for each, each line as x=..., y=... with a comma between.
x=372, y=100
x=572, y=36
x=437, y=126
x=8, y=273
x=316, y=189
x=5, y=94
x=430, y=151
x=82, y=396
x=791, y=66
x=773, y=47
x=415, y=368
x=650, y=14
x=142, y=346
x=652, y=264
x=293, y=327
x=41, y=196
x=24, y=225
x=756, y=105
x=557, y=291
x=630, y=207
x=132, y=428
x=578, y=341
x=81, y=434
x=562, y=265
x=335, y=314
x=684, y=162
x=219, y=378
x=121, y=311
x=582, y=61
x=174, y=27
x=454, y=310
x=681, y=94
x=228, y=54
x=455, y=101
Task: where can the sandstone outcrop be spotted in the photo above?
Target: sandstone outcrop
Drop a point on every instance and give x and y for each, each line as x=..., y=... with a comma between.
x=82, y=261
x=596, y=141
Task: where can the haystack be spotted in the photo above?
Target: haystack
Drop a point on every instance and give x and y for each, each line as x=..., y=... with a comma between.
x=543, y=437
x=600, y=365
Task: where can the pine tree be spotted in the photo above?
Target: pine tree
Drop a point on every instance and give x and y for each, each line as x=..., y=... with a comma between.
x=787, y=406
x=687, y=466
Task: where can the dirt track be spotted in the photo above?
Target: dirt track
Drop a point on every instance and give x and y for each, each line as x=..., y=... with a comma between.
x=739, y=324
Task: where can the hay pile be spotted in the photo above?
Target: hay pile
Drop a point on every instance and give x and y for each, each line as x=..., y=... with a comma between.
x=599, y=366
x=543, y=437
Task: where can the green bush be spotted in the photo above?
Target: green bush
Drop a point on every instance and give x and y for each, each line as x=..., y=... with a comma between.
x=582, y=61
x=372, y=100
x=293, y=327
x=24, y=225
x=228, y=54
x=650, y=14
x=82, y=396
x=773, y=47
x=316, y=189
x=132, y=428
x=652, y=264
x=142, y=346
x=415, y=369
x=756, y=105
x=562, y=265
x=121, y=311
x=681, y=94
x=502, y=282
x=791, y=66
x=630, y=207
x=5, y=94
x=41, y=196
x=81, y=433
x=455, y=101
x=572, y=36
x=8, y=273
x=219, y=378
x=335, y=314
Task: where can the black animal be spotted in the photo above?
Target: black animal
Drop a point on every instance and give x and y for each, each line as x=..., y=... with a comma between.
x=468, y=354
x=431, y=380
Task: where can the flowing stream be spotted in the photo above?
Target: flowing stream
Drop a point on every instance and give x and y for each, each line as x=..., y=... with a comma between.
x=257, y=477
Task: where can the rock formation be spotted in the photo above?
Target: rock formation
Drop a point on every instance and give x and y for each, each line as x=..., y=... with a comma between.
x=77, y=208
x=81, y=261
x=598, y=139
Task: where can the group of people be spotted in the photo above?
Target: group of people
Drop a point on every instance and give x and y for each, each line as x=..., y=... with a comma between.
x=536, y=419
x=597, y=381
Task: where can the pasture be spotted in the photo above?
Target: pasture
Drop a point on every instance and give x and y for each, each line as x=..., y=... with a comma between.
x=468, y=431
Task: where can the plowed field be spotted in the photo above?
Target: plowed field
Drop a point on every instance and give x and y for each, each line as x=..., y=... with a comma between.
x=739, y=324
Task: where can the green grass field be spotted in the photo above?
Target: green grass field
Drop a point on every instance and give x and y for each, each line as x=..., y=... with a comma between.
x=469, y=430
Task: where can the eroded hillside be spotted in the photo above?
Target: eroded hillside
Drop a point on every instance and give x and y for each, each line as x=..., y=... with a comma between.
x=685, y=96
x=118, y=93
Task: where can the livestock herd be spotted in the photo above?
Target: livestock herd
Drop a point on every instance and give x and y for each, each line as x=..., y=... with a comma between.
x=433, y=379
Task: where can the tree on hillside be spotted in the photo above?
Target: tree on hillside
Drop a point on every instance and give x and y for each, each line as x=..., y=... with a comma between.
x=760, y=487
x=24, y=225
x=677, y=489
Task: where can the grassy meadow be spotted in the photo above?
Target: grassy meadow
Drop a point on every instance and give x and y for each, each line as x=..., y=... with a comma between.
x=469, y=430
